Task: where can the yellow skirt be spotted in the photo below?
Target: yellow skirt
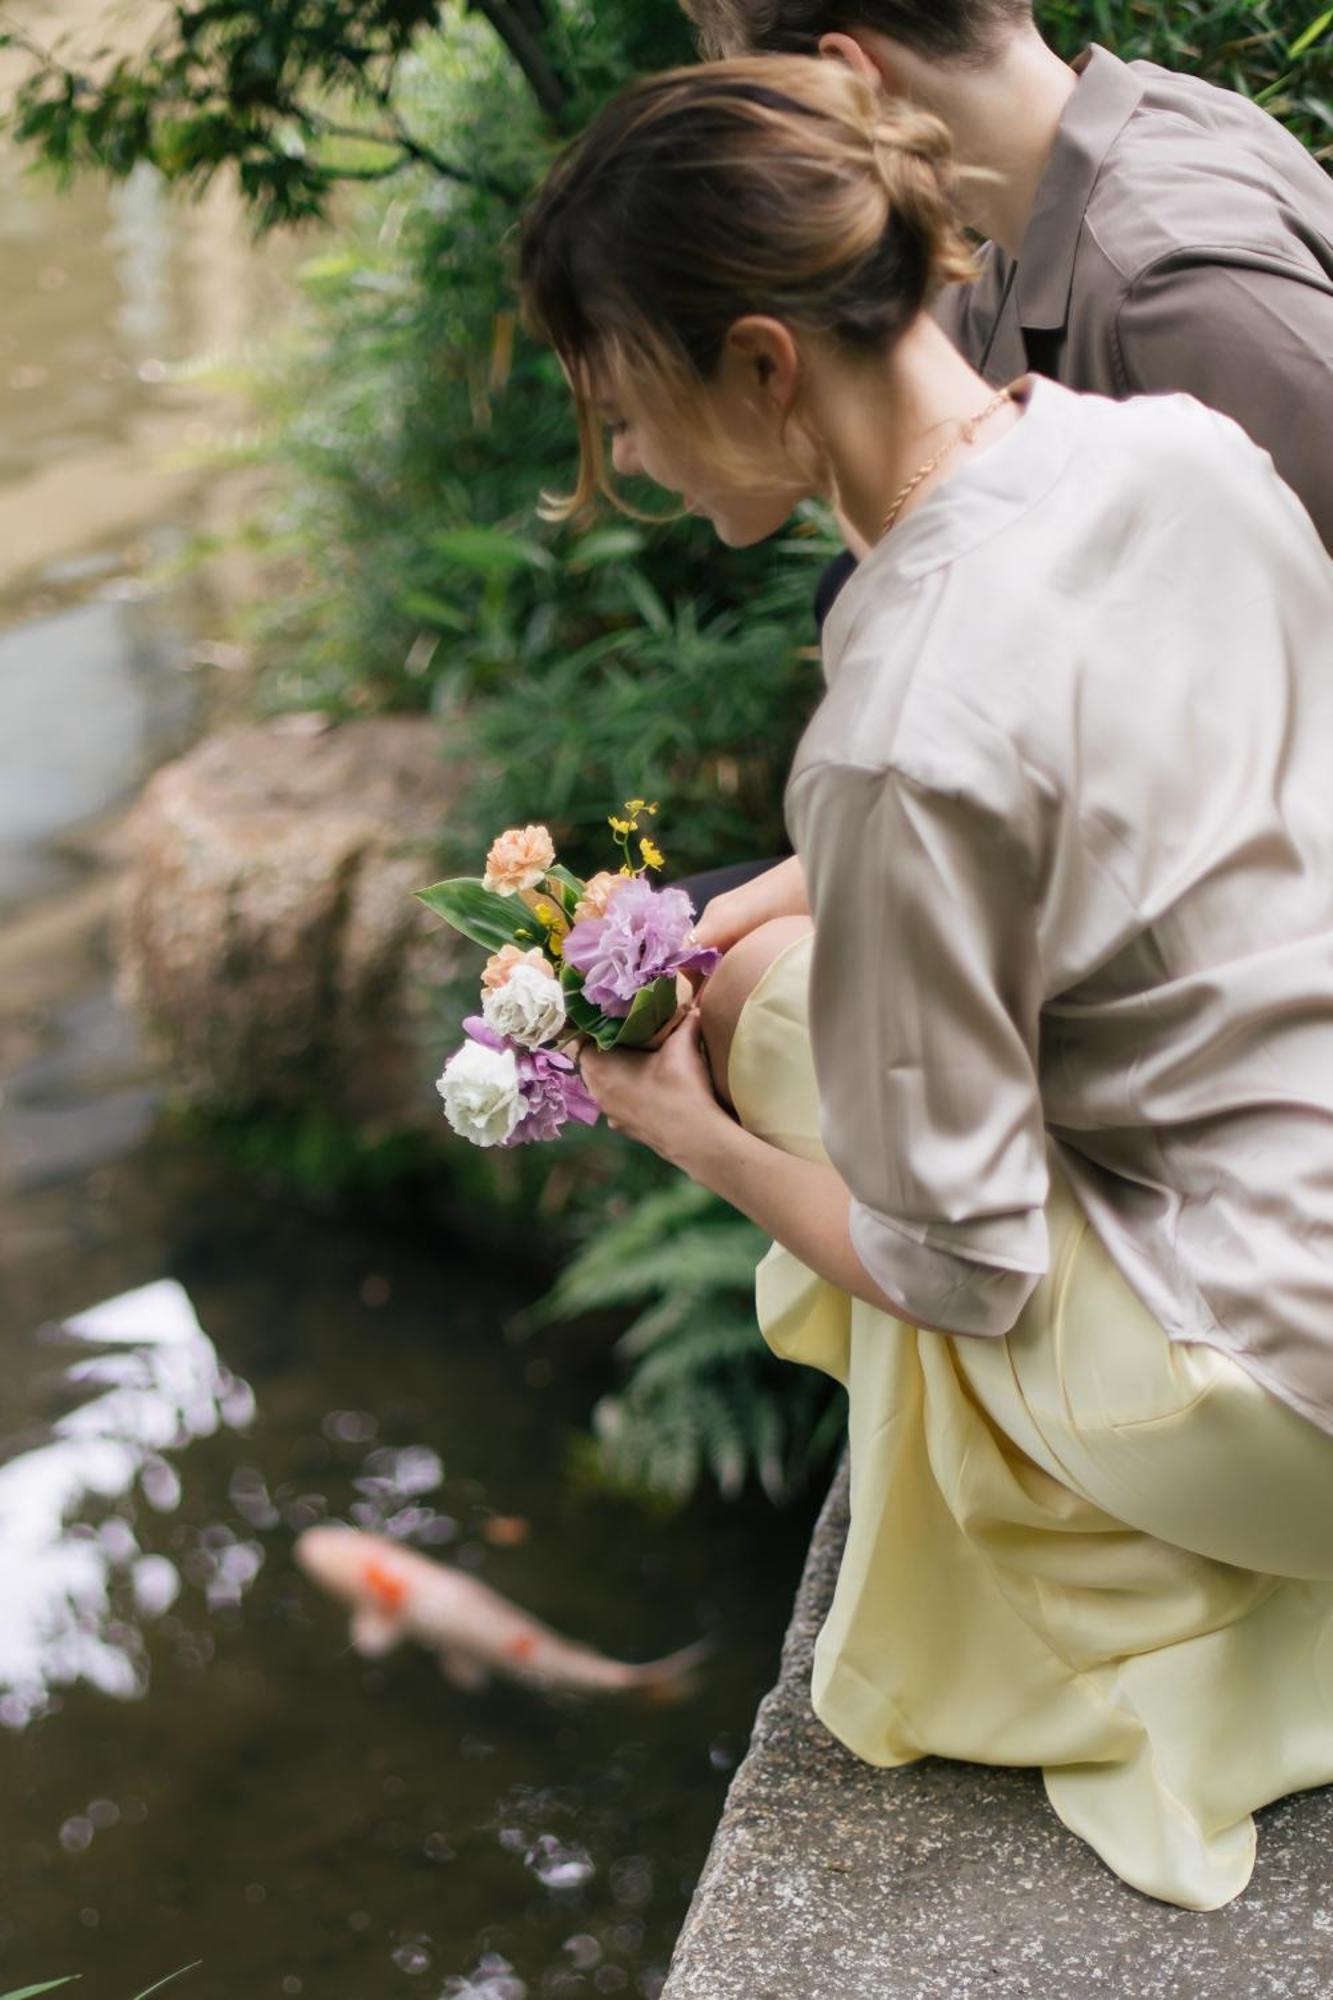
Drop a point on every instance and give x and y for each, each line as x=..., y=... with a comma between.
x=1083, y=1546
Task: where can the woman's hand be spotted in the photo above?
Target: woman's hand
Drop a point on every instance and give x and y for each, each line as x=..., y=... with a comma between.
x=778, y=892
x=663, y=1098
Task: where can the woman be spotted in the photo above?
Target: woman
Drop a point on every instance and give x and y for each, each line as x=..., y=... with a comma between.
x=1060, y=1212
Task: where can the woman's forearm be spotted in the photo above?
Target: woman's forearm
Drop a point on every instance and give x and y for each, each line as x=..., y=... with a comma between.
x=778, y=892
x=802, y=1204
x=786, y=886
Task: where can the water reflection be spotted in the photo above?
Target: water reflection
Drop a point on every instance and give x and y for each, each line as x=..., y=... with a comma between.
x=76, y=1584
x=89, y=698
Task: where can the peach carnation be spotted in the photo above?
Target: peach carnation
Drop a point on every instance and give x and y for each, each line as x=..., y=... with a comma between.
x=498, y=968
x=519, y=859
x=597, y=894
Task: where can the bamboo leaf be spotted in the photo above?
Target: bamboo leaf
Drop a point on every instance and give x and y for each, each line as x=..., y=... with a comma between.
x=158, y=1984
x=489, y=552
x=435, y=611
x=647, y=602
x=1311, y=35
x=47, y=1986
x=605, y=545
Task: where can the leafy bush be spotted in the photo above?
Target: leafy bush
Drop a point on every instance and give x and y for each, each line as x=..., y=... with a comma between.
x=704, y=1395
x=414, y=430
x=1280, y=52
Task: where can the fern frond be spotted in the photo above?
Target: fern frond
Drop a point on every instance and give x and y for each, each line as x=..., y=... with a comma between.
x=703, y=1392
x=699, y=1350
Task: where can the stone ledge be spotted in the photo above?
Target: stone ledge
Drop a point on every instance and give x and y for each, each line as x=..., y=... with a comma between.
x=829, y=1880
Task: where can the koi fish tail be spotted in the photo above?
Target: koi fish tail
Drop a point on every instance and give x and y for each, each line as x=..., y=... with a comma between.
x=675, y=1678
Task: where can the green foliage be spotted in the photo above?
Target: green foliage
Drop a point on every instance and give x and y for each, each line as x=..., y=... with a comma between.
x=414, y=430
x=687, y=678
x=1280, y=52
x=49, y=1985
x=705, y=1396
x=315, y=1155
x=293, y=98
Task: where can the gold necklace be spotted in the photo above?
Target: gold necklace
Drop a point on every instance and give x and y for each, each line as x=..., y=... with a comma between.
x=966, y=434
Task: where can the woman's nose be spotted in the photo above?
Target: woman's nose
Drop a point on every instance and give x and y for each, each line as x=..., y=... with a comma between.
x=625, y=455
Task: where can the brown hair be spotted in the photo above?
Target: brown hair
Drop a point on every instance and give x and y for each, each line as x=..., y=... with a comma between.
x=963, y=31
x=780, y=186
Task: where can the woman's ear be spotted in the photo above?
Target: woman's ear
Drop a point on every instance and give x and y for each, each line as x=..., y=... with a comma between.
x=867, y=55
x=761, y=352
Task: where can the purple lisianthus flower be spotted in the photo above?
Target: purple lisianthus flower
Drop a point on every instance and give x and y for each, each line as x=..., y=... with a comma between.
x=646, y=934
x=478, y=1029
x=549, y=1083
x=553, y=1092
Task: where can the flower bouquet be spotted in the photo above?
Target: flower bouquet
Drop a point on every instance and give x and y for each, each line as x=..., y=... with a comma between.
x=570, y=960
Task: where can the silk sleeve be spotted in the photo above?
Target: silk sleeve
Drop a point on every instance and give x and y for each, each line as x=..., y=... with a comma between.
x=925, y=1002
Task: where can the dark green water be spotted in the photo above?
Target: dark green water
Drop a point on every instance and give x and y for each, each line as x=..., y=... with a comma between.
x=301, y=1820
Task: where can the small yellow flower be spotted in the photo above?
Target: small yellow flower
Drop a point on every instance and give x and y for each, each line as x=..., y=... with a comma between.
x=620, y=825
x=653, y=856
x=544, y=914
x=555, y=944
x=635, y=805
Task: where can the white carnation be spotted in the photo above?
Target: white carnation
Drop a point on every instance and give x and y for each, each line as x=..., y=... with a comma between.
x=529, y=1008
x=481, y=1096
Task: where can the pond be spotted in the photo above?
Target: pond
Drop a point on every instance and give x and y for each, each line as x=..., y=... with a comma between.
x=195, y=1764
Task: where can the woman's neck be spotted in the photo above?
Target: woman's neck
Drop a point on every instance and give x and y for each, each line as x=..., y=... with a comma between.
x=879, y=424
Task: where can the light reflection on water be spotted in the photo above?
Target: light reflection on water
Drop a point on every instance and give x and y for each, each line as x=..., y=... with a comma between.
x=74, y=1580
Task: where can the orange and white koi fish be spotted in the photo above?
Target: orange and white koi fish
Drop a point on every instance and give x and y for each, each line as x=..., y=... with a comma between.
x=395, y=1594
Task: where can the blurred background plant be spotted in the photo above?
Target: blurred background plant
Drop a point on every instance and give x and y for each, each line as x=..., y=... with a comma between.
x=408, y=430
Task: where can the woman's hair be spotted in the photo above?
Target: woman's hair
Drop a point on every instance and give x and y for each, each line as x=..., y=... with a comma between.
x=961, y=31
x=781, y=186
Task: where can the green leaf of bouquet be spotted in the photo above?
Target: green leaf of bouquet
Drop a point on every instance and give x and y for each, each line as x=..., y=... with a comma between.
x=559, y=874
x=582, y=1013
x=47, y=1986
x=489, y=920
x=652, y=1009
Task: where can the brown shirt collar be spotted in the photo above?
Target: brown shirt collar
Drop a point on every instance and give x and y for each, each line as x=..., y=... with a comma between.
x=1096, y=114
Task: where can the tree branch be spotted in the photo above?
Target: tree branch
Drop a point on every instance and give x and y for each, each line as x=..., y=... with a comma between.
x=527, y=51
x=535, y=14
x=414, y=151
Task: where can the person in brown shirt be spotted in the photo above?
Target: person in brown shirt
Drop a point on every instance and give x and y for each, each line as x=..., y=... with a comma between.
x=1144, y=232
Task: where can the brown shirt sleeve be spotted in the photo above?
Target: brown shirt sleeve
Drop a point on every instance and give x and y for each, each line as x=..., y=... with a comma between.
x=1250, y=339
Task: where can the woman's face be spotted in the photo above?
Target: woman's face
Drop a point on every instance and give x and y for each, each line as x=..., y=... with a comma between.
x=747, y=498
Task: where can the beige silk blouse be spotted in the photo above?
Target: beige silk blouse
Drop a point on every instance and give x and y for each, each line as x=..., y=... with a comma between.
x=1066, y=815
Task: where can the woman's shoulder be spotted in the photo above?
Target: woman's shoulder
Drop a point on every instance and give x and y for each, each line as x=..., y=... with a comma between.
x=1155, y=445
